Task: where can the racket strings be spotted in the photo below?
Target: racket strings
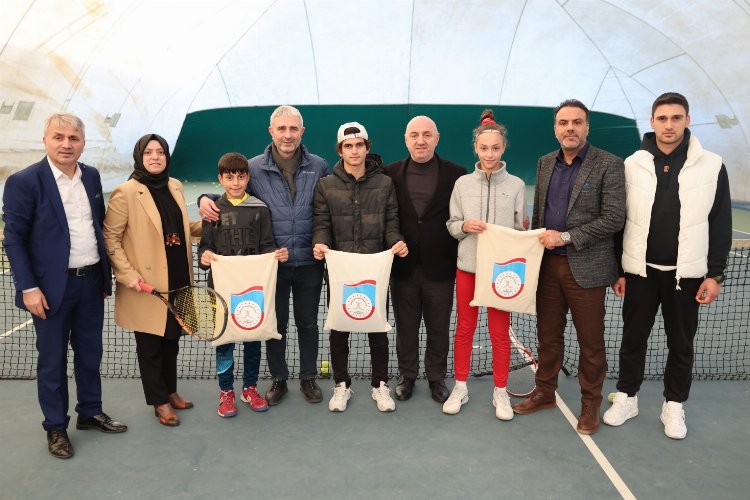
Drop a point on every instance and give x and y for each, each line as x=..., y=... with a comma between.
x=196, y=311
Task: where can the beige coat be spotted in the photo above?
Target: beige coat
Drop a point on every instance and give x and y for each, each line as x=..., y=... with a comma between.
x=134, y=240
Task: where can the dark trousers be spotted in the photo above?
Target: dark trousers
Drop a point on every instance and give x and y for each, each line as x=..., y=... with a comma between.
x=157, y=360
x=414, y=298
x=557, y=293
x=78, y=321
x=680, y=311
x=304, y=283
x=339, y=342
x=225, y=365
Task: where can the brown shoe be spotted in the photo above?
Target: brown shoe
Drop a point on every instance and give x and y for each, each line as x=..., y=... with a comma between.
x=178, y=403
x=588, y=422
x=58, y=443
x=536, y=401
x=166, y=415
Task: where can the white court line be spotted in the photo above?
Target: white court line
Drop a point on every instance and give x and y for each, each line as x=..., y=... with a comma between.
x=22, y=325
x=610, y=471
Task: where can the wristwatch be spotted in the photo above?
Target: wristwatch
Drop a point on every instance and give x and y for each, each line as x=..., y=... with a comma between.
x=565, y=237
x=719, y=278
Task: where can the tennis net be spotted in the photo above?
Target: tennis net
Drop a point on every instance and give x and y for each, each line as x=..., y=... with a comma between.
x=721, y=344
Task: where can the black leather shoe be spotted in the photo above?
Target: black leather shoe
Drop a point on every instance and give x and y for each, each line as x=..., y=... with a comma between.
x=404, y=388
x=439, y=391
x=276, y=392
x=310, y=390
x=59, y=445
x=101, y=422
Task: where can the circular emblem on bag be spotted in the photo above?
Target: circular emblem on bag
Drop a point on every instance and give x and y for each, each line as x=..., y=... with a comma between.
x=507, y=284
x=358, y=306
x=248, y=314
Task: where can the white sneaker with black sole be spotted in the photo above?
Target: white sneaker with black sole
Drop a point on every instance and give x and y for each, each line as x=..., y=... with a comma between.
x=341, y=395
x=623, y=409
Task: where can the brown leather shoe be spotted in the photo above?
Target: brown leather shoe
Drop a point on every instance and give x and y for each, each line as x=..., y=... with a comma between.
x=166, y=415
x=588, y=422
x=178, y=403
x=536, y=401
x=58, y=443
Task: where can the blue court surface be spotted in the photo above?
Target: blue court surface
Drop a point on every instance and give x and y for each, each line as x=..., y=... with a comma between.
x=297, y=450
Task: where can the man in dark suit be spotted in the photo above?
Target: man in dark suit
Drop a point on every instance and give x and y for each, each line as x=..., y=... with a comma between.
x=53, y=213
x=422, y=283
x=580, y=200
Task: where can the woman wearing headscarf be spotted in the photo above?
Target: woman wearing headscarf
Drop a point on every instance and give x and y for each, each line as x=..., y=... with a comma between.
x=147, y=235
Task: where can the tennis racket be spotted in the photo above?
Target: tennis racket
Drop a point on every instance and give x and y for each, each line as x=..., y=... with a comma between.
x=522, y=371
x=199, y=310
x=521, y=377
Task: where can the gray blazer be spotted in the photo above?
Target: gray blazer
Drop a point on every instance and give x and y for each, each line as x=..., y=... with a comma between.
x=596, y=212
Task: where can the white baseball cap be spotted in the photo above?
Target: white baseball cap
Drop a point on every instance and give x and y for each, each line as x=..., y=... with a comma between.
x=360, y=134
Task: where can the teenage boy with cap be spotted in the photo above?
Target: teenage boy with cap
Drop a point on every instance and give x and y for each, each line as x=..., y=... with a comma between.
x=357, y=180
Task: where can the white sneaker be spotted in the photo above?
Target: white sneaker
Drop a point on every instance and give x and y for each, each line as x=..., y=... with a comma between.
x=459, y=397
x=341, y=394
x=382, y=396
x=673, y=418
x=501, y=402
x=623, y=408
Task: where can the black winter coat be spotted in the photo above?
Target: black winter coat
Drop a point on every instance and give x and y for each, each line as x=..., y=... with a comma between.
x=244, y=229
x=358, y=216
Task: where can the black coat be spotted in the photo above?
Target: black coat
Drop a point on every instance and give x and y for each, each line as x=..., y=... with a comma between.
x=430, y=244
x=356, y=215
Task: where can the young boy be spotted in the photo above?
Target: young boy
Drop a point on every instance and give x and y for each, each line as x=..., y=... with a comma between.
x=244, y=228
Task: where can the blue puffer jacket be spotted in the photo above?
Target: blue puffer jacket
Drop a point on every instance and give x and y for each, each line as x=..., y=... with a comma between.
x=292, y=220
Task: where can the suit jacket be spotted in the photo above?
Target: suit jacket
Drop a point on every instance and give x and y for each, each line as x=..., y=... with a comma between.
x=134, y=239
x=427, y=237
x=596, y=212
x=37, y=238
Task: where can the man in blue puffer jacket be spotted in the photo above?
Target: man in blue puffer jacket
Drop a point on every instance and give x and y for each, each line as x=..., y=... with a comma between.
x=284, y=178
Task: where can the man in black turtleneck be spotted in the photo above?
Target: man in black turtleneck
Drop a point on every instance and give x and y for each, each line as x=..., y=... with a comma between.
x=674, y=250
x=422, y=283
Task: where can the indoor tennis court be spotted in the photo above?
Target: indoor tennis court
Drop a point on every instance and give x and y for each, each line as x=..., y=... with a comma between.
x=206, y=75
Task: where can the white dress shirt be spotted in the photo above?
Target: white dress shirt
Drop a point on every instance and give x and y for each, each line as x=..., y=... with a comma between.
x=83, y=249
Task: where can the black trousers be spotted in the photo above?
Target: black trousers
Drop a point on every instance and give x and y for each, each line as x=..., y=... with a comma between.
x=680, y=311
x=340, y=357
x=414, y=298
x=157, y=360
x=304, y=283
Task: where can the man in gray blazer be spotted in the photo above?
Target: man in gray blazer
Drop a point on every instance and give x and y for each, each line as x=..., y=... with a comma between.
x=580, y=200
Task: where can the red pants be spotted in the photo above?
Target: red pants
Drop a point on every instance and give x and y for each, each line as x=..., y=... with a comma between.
x=498, y=323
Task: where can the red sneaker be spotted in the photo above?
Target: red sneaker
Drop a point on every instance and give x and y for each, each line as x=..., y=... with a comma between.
x=253, y=399
x=226, y=404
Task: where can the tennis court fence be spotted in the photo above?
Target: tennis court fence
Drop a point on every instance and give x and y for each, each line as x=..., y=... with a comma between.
x=721, y=344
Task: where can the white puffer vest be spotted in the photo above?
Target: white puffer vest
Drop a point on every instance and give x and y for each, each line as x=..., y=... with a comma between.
x=697, y=181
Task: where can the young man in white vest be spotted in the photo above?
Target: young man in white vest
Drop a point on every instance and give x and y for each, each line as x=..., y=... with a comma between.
x=676, y=240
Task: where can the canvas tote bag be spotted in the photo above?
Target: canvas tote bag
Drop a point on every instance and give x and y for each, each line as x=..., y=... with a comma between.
x=248, y=285
x=508, y=264
x=358, y=291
